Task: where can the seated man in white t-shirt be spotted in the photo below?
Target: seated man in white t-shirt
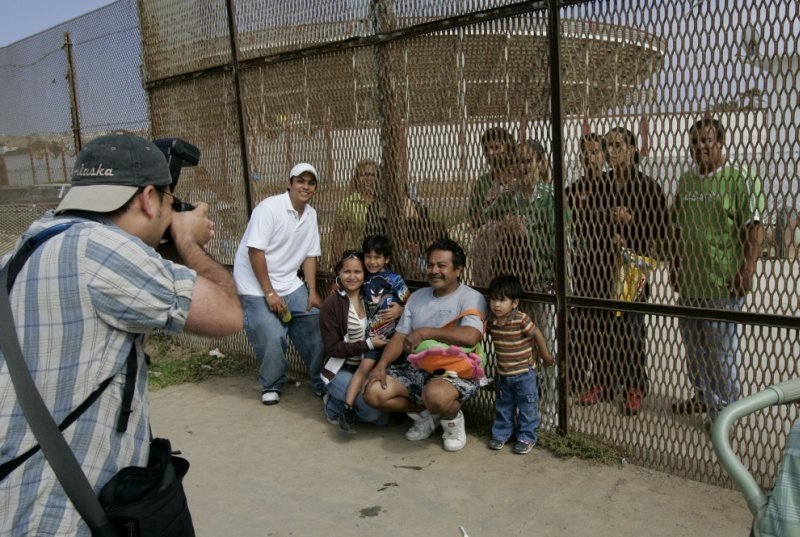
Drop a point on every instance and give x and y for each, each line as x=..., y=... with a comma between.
x=281, y=237
x=431, y=399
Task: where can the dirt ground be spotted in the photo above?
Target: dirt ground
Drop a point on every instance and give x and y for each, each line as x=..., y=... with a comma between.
x=284, y=471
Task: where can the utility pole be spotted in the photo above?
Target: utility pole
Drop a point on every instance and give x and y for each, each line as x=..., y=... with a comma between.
x=73, y=93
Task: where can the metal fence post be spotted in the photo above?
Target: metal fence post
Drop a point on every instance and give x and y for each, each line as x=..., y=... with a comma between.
x=554, y=39
x=232, y=32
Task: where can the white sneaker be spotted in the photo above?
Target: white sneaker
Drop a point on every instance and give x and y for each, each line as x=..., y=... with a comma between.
x=424, y=425
x=454, y=435
x=270, y=398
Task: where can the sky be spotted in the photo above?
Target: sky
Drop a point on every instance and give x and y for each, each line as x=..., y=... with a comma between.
x=23, y=18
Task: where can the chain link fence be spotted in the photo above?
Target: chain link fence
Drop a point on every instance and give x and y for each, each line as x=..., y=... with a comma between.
x=560, y=145
x=60, y=89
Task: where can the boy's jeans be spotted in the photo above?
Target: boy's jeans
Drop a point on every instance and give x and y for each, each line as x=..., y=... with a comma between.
x=516, y=408
x=269, y=338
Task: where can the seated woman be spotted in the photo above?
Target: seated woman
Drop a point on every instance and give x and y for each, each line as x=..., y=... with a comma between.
x=343, y=322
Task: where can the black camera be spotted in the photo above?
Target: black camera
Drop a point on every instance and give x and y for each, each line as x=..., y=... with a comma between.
x=179, y=154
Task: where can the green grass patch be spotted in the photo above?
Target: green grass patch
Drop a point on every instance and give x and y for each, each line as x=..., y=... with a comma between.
x=581, y=447
x=178, y=363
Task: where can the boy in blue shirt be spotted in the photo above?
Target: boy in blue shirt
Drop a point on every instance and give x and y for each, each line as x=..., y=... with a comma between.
x=385, y=291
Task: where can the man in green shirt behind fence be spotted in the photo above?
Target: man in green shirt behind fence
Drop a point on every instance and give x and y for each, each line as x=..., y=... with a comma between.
x=717, y=217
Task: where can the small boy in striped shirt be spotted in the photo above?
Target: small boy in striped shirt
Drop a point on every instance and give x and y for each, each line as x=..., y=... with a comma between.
x=518, y=343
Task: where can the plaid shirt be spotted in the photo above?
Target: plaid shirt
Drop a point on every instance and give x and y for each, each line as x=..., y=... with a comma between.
x=79, y=304
x=782, y=513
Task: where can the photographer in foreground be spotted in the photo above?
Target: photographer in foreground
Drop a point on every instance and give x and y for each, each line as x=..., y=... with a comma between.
x=83, y=300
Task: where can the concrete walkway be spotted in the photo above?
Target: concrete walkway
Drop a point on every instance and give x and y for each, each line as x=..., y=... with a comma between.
x=284, y=471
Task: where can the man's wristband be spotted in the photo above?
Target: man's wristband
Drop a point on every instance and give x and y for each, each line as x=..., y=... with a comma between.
x=270, y=294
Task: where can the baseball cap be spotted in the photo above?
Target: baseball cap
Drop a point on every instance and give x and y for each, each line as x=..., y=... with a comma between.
x=302, y=168
x=109, y=171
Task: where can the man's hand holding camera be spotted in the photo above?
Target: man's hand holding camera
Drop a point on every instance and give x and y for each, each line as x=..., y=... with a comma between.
x=192, y=227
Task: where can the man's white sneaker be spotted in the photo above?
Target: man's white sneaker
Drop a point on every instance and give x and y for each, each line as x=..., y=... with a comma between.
x=270, y=398
x=454, y=435
x=424, y=425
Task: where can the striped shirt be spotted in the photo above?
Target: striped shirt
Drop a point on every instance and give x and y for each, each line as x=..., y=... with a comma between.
x=356, y=331
x=513, y=343
x=79, y=304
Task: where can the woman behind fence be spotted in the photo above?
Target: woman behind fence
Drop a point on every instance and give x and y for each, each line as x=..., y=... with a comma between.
x=636, y=226
x=359, y=213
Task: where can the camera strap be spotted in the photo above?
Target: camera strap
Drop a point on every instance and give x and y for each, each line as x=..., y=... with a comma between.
x=53, y=444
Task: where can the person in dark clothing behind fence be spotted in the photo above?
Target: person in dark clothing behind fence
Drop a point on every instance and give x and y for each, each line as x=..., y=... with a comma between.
x=637, y=224
x=592, y=265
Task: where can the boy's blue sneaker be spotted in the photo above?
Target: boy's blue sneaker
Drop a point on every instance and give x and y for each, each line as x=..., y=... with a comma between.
x=522, y=447
x=496, y=444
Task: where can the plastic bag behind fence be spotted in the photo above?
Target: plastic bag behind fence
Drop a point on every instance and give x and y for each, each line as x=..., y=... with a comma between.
x=150, y=502
x=631, y=275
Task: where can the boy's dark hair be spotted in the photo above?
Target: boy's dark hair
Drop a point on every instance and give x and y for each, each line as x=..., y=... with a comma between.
x=505, y=286
x=443, y=243
x=380, y=244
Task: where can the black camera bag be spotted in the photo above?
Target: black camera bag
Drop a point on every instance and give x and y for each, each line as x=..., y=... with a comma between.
x=150, y=502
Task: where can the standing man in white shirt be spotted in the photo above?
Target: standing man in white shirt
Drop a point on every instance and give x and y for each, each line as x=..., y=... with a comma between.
x=281, y=237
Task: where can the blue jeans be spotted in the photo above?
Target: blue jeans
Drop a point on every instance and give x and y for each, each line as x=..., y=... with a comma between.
x=337, y=389
x=516, y=407
x=712, y=353
x=269, y=338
